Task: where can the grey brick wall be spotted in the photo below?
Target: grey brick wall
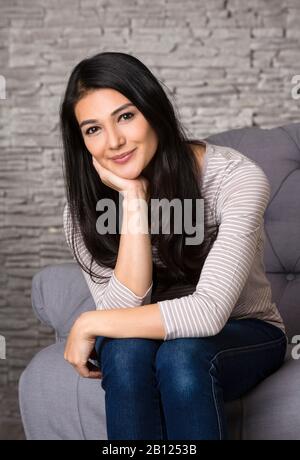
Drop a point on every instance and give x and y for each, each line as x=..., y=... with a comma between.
x=226, y=64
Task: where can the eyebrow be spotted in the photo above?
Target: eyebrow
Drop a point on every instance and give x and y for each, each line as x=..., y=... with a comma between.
x=87, y=122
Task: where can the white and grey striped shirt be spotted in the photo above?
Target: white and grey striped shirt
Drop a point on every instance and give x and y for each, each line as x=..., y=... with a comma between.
x=232, y=282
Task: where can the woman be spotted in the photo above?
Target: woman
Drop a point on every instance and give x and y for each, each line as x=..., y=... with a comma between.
x=178, y=328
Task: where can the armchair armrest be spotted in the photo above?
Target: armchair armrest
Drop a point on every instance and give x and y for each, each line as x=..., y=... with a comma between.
x=59, y=295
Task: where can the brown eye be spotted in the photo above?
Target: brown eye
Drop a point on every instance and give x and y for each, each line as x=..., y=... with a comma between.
x=90, y=131
x=127, y=113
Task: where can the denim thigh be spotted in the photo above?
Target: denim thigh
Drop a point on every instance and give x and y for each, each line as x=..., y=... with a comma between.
x=239, y=357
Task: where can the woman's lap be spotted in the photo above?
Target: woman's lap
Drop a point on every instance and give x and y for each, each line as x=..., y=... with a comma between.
x=247, y=350
x=192, y=377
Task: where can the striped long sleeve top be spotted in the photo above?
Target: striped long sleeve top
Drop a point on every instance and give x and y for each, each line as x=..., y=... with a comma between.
x=232, y=283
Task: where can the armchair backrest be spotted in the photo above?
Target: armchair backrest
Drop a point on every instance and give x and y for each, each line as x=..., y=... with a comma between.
x=277, y=152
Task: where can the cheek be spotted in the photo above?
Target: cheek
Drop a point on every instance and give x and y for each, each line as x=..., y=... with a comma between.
x=138, y=130
x=153, y=141
x=92, y=145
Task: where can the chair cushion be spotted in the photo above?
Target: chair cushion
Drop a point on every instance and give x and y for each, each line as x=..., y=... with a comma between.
x=56, y=403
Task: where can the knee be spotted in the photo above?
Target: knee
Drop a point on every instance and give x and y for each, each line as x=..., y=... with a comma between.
x=181, y=366
x=180, y=352
x=127, y=361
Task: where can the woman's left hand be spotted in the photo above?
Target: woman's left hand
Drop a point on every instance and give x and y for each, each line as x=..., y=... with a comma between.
x=80, y=347
x=120, y=184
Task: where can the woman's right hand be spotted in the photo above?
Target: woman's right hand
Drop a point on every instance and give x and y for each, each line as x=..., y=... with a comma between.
x=124, y=186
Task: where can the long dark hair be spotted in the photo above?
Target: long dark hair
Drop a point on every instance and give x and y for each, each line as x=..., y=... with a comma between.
x=175, y=170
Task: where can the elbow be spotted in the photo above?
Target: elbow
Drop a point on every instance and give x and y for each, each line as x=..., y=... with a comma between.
x=200, y=332
x=210, y=330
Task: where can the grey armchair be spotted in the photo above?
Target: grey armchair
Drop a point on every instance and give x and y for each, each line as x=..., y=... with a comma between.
x=56, y=403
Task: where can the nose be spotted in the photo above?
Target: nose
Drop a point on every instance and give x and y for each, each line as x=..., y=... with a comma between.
x=114, y=138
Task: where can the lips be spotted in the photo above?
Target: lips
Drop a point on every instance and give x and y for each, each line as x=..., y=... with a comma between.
x=122, y=155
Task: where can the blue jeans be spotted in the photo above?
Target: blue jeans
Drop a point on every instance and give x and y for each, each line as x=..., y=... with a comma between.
x=176, y=389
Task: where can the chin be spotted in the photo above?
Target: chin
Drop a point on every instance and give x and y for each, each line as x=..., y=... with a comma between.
x=129, y=176
x=130, y=172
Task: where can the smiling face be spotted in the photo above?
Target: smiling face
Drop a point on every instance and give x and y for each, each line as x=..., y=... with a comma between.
x=108, y=132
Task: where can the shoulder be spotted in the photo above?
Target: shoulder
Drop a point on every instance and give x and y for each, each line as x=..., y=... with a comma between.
x=234, y=169
x=239, y=184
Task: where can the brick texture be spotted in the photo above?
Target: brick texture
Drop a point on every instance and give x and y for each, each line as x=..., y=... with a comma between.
x=225, y=64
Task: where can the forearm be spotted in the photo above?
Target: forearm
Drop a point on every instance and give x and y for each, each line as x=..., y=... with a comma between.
x=134, y=262
x=138, y=322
